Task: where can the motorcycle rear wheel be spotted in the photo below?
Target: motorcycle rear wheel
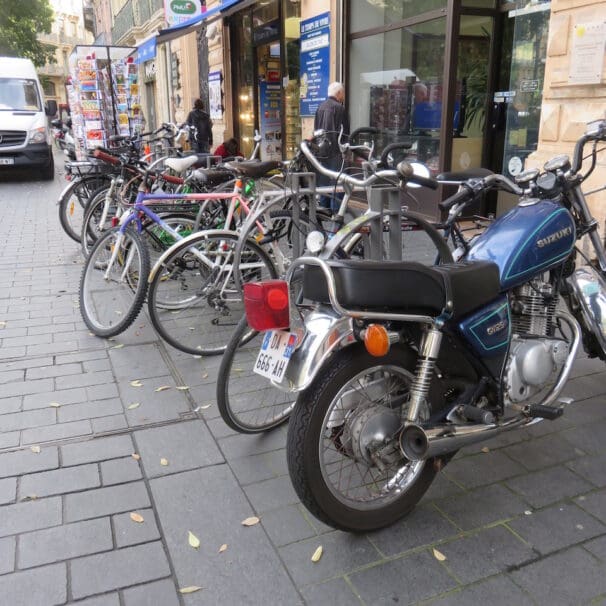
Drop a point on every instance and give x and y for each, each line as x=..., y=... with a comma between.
x=333, y=432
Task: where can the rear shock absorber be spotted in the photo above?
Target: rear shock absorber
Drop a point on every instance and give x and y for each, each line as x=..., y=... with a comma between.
x=426, y=363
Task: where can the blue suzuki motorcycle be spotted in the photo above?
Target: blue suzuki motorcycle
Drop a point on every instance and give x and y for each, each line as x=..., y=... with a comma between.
x=398, y=365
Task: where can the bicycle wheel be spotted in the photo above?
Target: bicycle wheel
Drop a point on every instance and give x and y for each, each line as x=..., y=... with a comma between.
x=73, y=203
x=193, y=301
x=97, y=218
x=111, y=297
x=248, y=402
x=158, y=240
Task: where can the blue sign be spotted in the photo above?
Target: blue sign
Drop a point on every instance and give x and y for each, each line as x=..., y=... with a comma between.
x=270, y=100
x=147, y=50
x=315, y=62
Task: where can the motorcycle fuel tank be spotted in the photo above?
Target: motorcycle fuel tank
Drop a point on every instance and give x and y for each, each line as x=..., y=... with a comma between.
x=529, y=239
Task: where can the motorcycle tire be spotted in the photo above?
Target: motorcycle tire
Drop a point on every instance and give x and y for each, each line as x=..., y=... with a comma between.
x=327, y=440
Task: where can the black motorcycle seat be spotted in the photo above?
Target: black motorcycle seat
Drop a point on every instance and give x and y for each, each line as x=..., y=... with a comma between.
x=406, y=286
x=253, y=168
x=463, y=175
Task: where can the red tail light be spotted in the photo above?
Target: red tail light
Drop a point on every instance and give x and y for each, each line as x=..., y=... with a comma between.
x=266, y=304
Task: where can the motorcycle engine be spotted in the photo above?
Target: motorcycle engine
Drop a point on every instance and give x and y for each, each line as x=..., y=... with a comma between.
x=536, y=356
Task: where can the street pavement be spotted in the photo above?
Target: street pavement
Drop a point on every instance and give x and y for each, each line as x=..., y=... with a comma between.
x=517, y=520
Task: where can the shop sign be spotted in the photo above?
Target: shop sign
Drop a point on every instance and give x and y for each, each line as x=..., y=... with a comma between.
x=214, y=95
x=529, y=86
x=587, y=57
x=270, y=97
x=149, y=71
x=315, y=63
x=504, y=96
x=179, y=11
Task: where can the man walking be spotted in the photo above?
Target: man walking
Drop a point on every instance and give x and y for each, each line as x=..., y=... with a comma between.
x=202, y=137
x=330, y=116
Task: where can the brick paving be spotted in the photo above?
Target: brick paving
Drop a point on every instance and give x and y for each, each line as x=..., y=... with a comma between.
x=524, y=523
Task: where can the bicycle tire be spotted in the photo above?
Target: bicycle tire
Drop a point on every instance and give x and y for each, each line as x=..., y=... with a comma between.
x=248, y=402
x=73, y=203
x=99, y=305
x=90, y=224
x=194, y=308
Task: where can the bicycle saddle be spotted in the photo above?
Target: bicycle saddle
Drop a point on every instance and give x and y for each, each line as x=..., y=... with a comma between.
x=180, y=165
x=253, y=168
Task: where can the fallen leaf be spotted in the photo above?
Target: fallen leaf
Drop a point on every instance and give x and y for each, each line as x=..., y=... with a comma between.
x=136, y=383
x=55, y=404
x=193, y=540
x=317, y=554
x=118, y=312
x=162, y=388
x=29, y=497
x=163, y=462
x=189, y=589
x=2, y=324
x=134, y=405
x=223, y=548
x=250, y=521
x=199, y=408
x=438, y=555
x=91, y=334
x=182, y=387
x=136, y=517
x=485, y=449
x=197, y=357
x=35, y=449
x=119, y=346
x=135, y=456
x=192, y=328
x=205, y=375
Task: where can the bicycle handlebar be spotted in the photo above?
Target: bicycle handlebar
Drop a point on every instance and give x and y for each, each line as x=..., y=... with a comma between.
x=406, y=171
x=342, y=177
x=106, y=156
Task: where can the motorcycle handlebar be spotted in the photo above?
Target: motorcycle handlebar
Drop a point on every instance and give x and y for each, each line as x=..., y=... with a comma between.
x=473, y=187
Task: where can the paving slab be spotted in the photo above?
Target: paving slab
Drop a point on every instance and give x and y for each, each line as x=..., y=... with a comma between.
x=190, y=501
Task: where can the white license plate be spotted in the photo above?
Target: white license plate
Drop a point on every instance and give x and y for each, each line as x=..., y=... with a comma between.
x=7, y=160
x=274, y=355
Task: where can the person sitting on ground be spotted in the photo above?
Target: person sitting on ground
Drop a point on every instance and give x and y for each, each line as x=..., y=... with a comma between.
x=228, y=149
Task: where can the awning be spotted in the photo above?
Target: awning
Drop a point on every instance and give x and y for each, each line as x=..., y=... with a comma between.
x=146, y=50
x=191, y=25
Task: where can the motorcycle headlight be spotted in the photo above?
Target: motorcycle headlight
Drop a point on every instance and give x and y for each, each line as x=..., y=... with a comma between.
x=38, y=135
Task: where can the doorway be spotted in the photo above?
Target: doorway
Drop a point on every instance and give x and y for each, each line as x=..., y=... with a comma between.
x=265, y=68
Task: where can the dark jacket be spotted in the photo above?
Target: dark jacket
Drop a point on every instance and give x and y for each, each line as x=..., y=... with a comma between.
x=203, y=124
x=330, y=116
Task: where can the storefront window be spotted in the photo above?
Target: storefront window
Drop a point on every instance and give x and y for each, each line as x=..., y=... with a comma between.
x=292, y=120
x=521, y=104
x=366, y=14
x=472, y=97
x=243, y=80
x=395, y=85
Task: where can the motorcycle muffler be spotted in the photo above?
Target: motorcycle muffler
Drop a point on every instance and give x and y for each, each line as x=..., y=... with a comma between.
x=418, y=444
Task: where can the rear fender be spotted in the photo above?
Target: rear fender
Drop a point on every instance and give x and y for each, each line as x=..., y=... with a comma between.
x=325, y=333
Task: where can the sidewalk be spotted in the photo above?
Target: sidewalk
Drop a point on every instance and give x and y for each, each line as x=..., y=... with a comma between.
x=520, y=521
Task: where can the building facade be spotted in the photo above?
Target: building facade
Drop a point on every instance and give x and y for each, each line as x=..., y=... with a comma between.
x=68, y=31
x=465, y=83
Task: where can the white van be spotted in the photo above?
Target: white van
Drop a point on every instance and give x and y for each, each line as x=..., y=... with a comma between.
x=25, y=138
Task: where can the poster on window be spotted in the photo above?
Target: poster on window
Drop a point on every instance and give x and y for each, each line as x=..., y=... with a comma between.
x=214, y=95
x=315, y=62
x=271, y=127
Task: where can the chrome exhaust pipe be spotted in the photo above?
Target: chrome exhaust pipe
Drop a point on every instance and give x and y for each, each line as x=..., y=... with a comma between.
x=418, y=444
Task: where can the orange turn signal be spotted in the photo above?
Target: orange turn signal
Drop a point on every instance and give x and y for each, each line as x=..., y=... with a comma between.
x=376, y=340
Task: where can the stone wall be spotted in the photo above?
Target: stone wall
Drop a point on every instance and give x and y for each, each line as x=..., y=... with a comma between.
x=567, y=108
